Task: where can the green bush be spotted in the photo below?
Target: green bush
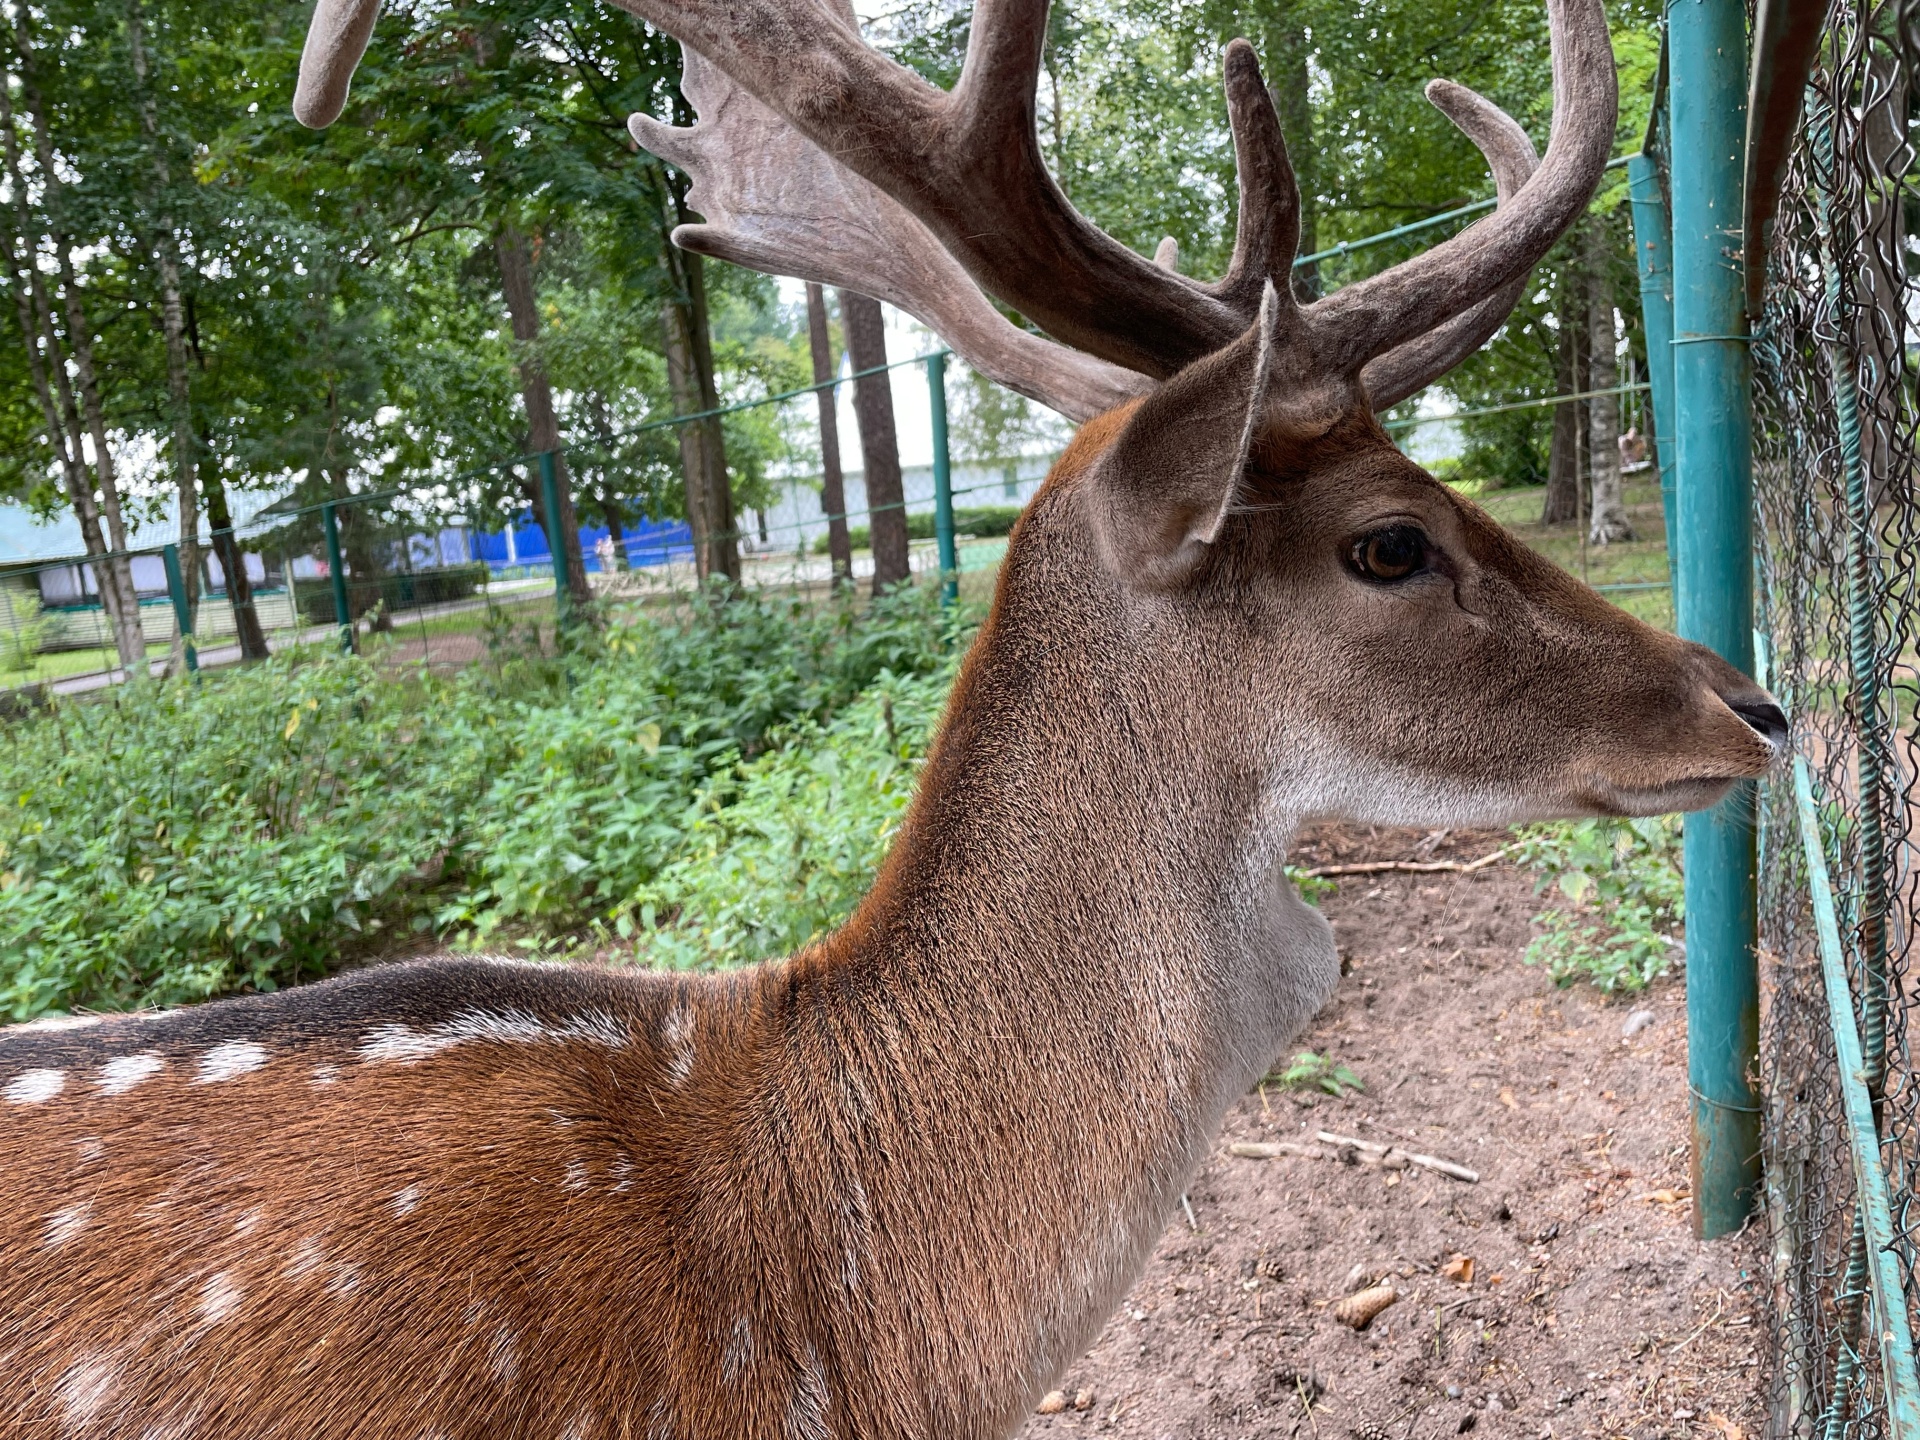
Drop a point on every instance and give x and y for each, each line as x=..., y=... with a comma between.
x=172, y=841
x=1625, y=899
x=979, y=522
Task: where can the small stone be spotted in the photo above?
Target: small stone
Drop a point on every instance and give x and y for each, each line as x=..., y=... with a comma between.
x=1493, y=1404
x=1051, y=1403
x=1636, y=1022
x=1453, y=1392
x=1083, y=1400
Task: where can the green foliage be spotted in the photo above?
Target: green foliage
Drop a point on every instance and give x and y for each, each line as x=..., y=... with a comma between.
x=1308, y=1071
x=174, y=841
x=979, y=522
x=25, y=628
x=1624, y=899
x=781, y=848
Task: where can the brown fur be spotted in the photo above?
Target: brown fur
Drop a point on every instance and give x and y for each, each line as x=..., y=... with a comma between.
x=889, y=1187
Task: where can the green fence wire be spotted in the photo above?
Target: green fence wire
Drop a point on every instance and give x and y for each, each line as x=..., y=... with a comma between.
x=1838, y=571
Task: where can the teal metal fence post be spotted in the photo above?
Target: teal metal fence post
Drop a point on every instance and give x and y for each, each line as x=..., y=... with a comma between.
x=1707, y=53
x=550, y=508
x=1653, y=247
x=182, y=612
x=942, y=478
x=337, y=574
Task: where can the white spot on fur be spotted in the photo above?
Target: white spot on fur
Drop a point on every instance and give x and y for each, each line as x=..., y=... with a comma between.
x=737, y=1358
x=219, y=1298
x=406, y=1201
x=247, y=1221
x=400, y=1042
x=85, y=1388
x=807, y=1411
x=621, y=1173
x=344, y=1280
x=580, y=1427
x=576, y=1175
x=307, y=1257
x=508, y=1027
x=231, y=1058
x=504, y=1355
x=32, y=1087
x=325, y=1074
x=678, y=1033
x=89, y=1147
x=123, y=1072
x=64, y=1224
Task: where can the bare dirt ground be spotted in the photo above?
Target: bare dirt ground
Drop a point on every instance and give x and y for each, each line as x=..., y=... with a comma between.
x=1590, y=1309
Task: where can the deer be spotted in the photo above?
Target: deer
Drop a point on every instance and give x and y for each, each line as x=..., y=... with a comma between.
x=892, y=1185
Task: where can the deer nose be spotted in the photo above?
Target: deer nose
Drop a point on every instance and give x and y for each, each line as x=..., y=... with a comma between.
x=1766, y=719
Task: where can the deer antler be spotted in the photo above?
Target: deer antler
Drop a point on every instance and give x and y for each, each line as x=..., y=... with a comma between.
x=775, y=202
x=967, y=165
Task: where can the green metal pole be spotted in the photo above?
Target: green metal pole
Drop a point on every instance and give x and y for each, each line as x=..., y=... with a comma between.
x=1653, y=247
x=1707, y=52
x=182, y=612
x=337, y=573
x=550, y=505
x=942, y=478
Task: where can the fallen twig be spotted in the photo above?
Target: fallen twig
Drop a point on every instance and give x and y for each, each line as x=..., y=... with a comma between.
x=1418, y=867
x=1385, y=1157
x=1372, y=1147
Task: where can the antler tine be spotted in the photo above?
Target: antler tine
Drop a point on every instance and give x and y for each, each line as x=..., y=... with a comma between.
x=336, y=39
x=1413, y=365
x=1267, y=235
x=966, y=165
x=773, y=201
x=1372, y=316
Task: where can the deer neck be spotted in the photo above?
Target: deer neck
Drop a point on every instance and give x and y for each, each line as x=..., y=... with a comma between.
x=1081, y=950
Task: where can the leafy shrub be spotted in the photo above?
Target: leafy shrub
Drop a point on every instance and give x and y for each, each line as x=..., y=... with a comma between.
x=781, y=848
x=25, y=629
x=979, y=522
x=1308, y=1071
x=1625, y=899
x=172, y=841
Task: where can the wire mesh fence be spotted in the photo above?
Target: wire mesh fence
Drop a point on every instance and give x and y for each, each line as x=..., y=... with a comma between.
x=1838, y=564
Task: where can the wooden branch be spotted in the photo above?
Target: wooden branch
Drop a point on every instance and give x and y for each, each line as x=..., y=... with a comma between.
x=1417, y=867
x=1428, y=1162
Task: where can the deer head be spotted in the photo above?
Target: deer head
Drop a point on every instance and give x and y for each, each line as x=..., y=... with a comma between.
x=1444, y=671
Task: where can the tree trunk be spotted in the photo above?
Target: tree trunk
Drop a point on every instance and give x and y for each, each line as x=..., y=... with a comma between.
x=703, y=449
x=1609, y=522
x=616, y=534
x=246, y=619
x=166, y=257
x=833, y=493
x=866, y=331
x=112, y=573
x=358, y=535
x=543, y=427
x=1564, y=471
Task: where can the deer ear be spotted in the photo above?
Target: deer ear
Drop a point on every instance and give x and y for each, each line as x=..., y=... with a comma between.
x=1164, y=488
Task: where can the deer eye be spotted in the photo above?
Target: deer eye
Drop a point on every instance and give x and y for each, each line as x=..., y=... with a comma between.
x=1391, y=554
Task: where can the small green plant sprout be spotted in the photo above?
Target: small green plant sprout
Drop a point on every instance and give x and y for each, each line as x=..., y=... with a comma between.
x=1308, y=1071
x=22, y=628
x=1624, y=899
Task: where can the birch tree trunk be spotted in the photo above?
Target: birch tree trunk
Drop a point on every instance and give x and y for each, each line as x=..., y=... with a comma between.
x=833, y=490
x=95, y=497
x=1609, y=520
x=1565, y=472
x=165, y=245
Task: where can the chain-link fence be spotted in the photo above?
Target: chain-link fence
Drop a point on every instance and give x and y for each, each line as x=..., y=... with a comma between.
x=1838, y=566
